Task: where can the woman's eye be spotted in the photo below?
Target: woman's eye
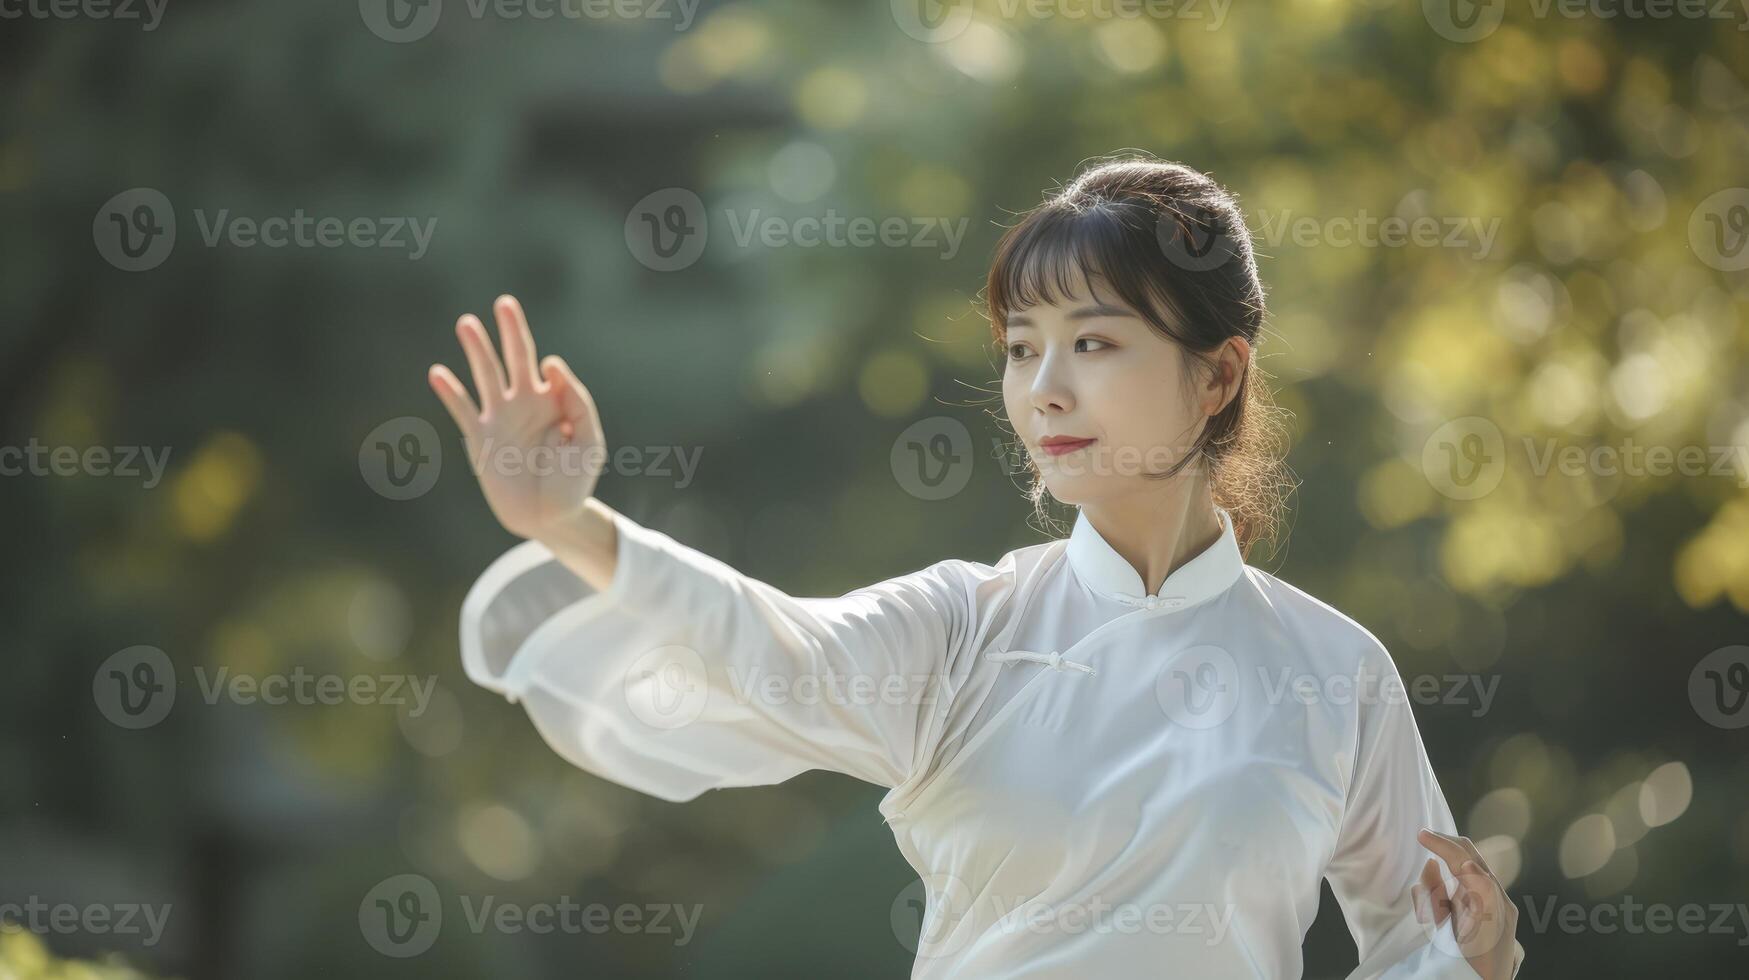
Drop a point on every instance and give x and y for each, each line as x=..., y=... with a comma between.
x=1018, y=352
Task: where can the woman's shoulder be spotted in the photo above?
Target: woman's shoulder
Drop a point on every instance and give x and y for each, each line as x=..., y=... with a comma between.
x=1324, y=634
x=1013, y=567
x=973, y=584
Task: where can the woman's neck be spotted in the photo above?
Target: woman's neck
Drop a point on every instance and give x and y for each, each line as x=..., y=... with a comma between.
x=1158, y=530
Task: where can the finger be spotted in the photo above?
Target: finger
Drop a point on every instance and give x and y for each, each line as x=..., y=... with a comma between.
x=1439, y=900
x=1478, y=864
x=1468, y=846
x=1430, y=872
x=576, y=405
x=482, y=361
x=1425, y=893
x=1450, y=849
x=518, y=342
x=1431, y=886
x=1430, y=882
x=455, y=398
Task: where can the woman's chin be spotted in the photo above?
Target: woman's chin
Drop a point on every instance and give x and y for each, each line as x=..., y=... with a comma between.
x=1077, y=491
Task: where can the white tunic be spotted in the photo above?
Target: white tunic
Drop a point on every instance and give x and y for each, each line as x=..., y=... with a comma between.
x=1090, y=781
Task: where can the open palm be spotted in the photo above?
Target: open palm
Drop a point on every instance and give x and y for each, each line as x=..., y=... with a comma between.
x=535, y=441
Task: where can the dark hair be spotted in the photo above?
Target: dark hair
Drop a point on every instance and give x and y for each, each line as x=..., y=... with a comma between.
x=1173, y=245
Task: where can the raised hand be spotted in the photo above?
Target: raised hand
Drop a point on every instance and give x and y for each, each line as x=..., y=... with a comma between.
x=535, y=442
x=1484, y=918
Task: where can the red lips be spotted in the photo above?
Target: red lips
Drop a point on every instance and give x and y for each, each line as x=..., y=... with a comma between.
x=1058, y=445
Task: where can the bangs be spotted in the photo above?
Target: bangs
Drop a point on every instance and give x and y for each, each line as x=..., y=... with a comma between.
x=1108, y=245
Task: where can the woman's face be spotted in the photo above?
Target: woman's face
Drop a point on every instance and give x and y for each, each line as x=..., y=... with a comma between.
x=1098, y=397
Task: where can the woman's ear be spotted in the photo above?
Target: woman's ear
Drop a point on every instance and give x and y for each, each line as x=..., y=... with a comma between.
x=1229, y=370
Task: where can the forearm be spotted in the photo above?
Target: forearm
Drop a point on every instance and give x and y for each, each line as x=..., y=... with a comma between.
x=588, y=544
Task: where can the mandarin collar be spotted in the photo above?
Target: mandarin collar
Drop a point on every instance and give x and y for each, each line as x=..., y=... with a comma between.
x=1109, y=574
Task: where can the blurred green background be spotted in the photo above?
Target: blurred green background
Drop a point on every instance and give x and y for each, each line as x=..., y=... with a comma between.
x=1606, y=309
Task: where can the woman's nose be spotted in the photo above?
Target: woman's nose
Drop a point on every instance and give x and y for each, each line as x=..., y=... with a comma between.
x=1051, y=391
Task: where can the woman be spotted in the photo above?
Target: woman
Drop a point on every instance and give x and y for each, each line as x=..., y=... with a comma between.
x=1120, y=754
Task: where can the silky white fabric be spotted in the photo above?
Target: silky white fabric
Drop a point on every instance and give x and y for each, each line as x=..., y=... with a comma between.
x=1090, y=781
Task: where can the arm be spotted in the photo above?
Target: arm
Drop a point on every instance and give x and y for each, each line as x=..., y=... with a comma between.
x=1378, y=860
x=685, y=675
x=652, y=664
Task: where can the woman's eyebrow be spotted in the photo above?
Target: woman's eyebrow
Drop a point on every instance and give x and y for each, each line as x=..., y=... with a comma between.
x=1083, y=313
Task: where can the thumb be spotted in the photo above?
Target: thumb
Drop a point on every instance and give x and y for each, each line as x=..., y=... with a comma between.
x=576, y=406
x=574, y=401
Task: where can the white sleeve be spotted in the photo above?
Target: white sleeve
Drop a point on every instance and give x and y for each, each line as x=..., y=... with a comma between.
x=1392, y=795
x=685, y=675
